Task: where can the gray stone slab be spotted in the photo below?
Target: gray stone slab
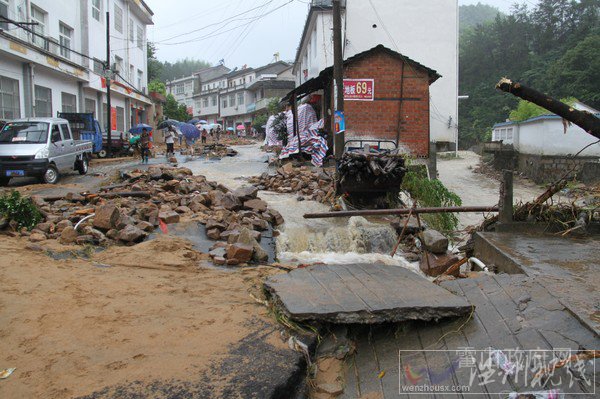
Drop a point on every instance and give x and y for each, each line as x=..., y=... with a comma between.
x=511, y=312
x=362, y=293
x=568, y=267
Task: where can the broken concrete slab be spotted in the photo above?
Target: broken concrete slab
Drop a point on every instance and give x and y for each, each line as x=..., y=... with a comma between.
x=361, y=293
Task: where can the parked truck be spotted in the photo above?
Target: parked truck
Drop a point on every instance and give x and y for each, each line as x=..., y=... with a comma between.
x=43, y=148
x=85, y=127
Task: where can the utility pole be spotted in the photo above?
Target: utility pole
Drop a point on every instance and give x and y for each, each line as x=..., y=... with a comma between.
x=108, y=76
x=338, y=74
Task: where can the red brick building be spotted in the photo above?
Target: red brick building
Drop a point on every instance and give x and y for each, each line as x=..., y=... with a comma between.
x=397, y=108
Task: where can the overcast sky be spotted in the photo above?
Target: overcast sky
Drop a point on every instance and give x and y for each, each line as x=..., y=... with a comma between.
x=219, y=32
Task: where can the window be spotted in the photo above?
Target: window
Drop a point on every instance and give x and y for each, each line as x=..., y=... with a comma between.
x=140, y=76
x=96, y=10
x=188, y=87
x=509, y=133
x=118, y=19
x=232, y=100
x=98, y=67
x=90, y=106
x=131, y=72
x=4, y=13
x=43, y=102
x=225, y=102
x=205, y=102
x=131, y=37
x=39, y=16
x=179, y=89
x=120, y=119
x=66, y=133
x=240, y=98
x=69, y=102
x=118, y=64
x=55, y=135
x=140, y=38
x=213, y=101
x=9, y=98
x=66, y=35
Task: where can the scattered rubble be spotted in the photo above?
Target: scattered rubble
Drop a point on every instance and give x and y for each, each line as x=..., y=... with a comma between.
x=309, y=184
x=127, y=212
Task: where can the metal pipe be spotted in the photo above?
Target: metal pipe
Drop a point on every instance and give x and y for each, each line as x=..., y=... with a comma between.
x=403, y=211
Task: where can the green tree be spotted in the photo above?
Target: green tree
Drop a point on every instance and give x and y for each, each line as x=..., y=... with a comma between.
x=259, y=121
x=476, y=14
x=174, y=110
x=273, y=106
x=157, y=86
x=181, y=68
x=154, y=65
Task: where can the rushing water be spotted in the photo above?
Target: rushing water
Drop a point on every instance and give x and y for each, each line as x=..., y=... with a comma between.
x=335, y=240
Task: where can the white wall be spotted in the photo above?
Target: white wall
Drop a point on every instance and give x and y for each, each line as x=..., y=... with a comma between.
x=46, y=78
x=425, y=31
x=547, y=137
x=14, y=70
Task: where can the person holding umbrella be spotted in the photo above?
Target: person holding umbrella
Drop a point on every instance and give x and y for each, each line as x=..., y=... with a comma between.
x=144, y=145
x=170, y=141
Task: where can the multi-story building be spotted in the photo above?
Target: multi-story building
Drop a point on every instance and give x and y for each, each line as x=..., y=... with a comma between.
x=236, y=97
x=204, y=105
x=425, y=31
x=183, y=91
x=58, y=63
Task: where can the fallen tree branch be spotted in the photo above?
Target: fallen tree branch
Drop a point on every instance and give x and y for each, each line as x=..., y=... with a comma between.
x=401, y=211
x=583, y=119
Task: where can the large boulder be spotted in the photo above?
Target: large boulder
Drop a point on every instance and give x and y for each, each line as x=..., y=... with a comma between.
x=132, y=233
x=169, y=217
x=107, y=217
x=433, y=265
x=246, y=193
x=68, y=235
x=435, y=241
x=230, y=202
x=241, y=252
x=256, y=205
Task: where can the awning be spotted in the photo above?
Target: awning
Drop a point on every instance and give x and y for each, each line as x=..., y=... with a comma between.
x=310, y=86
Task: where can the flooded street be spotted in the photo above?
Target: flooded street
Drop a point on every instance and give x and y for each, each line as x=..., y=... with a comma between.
x=332, y=241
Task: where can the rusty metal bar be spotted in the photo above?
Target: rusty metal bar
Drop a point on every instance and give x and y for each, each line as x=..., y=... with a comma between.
x=403, y=211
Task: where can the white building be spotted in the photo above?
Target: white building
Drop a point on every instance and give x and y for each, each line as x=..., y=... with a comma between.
x=183, y=91
x=545, y=135
x=57, y=65
x=424, y=30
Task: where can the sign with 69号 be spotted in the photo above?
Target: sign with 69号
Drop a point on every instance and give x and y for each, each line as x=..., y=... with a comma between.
x=359, y=89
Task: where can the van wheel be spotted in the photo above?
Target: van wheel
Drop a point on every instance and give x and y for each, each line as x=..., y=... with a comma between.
x=51, y=175
x=83, y=165
x=102, y=154
x=4, y=181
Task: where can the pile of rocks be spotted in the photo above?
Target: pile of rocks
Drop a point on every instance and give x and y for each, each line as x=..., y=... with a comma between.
x=127, y=212
x=217, y=151
x=308, y=184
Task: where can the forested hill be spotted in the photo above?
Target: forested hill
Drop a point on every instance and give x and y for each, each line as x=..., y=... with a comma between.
x=475, y=14
x=553, y=47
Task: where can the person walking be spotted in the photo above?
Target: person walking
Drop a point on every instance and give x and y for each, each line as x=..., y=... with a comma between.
x=203, y=136
x=144, y=145
x=218, y=133
x=170, y=141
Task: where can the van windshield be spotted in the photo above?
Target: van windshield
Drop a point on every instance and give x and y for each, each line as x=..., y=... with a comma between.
x=24, y=133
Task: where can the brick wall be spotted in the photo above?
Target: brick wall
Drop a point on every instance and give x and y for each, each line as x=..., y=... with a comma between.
x=380, y=118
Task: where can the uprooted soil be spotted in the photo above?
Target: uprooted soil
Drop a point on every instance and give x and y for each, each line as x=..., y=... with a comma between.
x=144, y=320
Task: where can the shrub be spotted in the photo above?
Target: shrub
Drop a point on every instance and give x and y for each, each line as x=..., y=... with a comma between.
x=19, y=209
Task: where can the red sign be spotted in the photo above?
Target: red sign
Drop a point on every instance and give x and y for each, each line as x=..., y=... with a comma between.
x=113, y=118
x=359, y=89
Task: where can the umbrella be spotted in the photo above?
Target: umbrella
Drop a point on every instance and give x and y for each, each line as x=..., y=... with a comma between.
x=169, y=122
x=241, y=127
x=189, y=131
x=230, y=129
x=193, y=121
x=202, y=121
x=137, y=129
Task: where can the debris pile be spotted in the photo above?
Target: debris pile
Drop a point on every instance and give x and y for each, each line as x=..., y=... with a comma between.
x=368, y=169
x=308, y=184
x=125, y=213
x=218, y=151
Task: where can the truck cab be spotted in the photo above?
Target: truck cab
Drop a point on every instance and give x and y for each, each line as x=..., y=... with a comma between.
x=41, y=147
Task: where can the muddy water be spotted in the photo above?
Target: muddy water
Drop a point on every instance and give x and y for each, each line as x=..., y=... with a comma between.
x=340, y=240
